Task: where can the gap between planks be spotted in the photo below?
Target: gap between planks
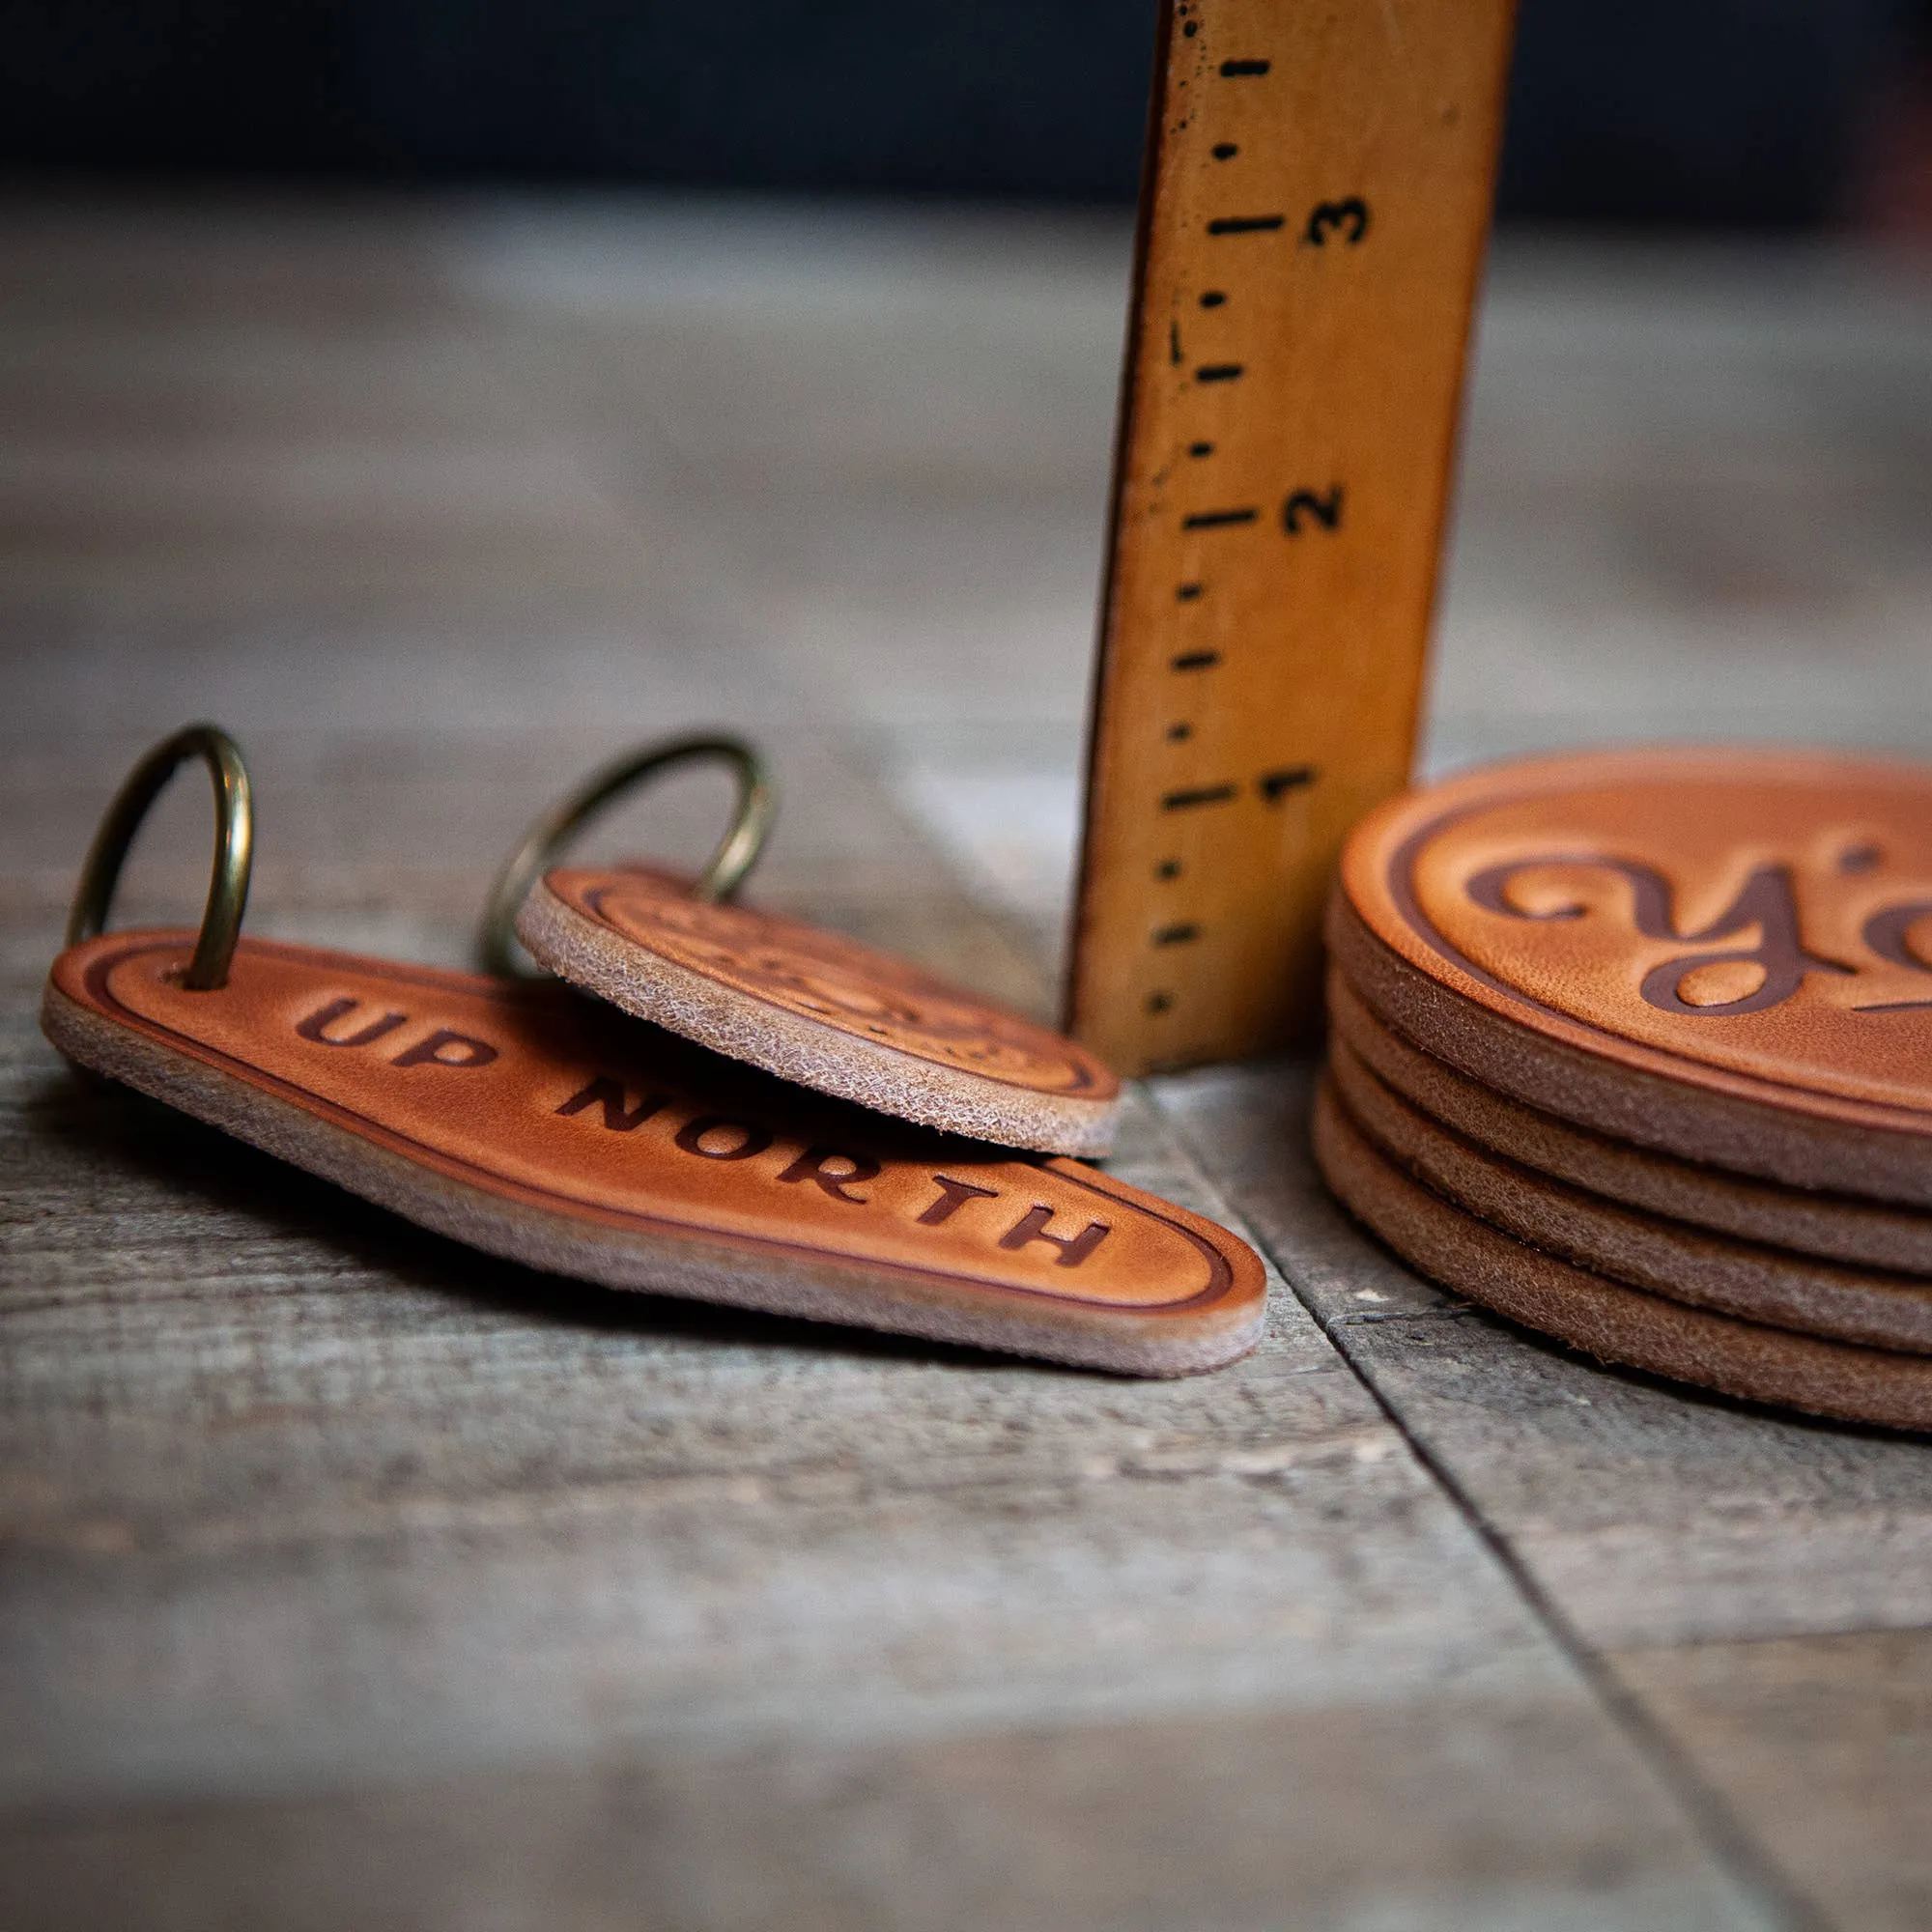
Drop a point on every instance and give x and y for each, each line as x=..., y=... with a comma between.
x=1723, y=1834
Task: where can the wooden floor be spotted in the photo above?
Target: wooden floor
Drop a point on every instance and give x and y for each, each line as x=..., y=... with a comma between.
x=353, y=1581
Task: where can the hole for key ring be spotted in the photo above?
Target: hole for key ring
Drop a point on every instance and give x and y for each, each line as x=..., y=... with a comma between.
x=724, y=873
x=234, y=848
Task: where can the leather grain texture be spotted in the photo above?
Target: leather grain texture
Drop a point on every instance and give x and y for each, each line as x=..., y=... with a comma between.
x=533, y=1123
x=1725, y=955
x=1647, y=1251
x=1606, y=1319
x=819, y=1009
x=1832, y=1227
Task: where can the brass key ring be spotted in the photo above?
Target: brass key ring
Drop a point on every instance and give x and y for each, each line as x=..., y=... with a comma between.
x=234, y=848
x=724, y=873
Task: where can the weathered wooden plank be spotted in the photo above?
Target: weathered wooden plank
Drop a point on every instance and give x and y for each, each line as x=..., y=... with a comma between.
x=1824, y=1746
x=248, y=1399
x=1460, y=1813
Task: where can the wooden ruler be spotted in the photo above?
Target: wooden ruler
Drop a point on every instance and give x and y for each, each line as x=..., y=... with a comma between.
x=1317, y=197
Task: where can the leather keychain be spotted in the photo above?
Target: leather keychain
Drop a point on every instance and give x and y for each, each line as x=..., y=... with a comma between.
x=531, y=1122
x=812, y=1006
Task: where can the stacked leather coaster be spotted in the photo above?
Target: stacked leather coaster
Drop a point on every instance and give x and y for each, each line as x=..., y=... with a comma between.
x=1635, y=1048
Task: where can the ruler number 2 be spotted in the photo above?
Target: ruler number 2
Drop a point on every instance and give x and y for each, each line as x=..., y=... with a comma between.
x=1307, y=508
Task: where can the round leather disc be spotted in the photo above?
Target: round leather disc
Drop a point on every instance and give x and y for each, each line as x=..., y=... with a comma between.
x=818, y=1008
x=1667, y=1258
x=1604, y=1318
x=1833, y=1227
x=1723, y=955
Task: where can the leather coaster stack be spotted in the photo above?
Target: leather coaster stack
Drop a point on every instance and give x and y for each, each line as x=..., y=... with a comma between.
x=1635, y=1048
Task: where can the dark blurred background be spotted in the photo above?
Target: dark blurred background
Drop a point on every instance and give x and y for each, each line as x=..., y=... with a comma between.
x=1749, y=113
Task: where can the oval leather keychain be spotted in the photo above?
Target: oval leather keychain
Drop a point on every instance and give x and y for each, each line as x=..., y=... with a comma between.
x=810, y=1006
x=531, y=1122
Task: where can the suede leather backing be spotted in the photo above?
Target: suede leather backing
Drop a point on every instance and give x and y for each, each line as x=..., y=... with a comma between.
x=1833, y=1227
x=1682, y=1263
x=1606, y=1319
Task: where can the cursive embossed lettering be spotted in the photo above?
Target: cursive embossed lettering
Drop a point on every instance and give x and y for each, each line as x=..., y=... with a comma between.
x=1766, y=902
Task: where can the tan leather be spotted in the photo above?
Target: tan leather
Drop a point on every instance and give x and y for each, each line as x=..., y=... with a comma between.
x=1606, y=1319
x=1754, y=927
x=818, y=1008
x=537, y=1124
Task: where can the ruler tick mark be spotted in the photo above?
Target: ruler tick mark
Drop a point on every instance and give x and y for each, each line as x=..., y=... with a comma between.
x=1196, y=660
x=1179, y=734
x=1242, y=70
x=1188, y=592
x=1168, y=868
x=1159, y=1003
x=1200, y=449
x=1224, y=151
x=1247, y=224
x=1215, y=520
x=1174, y=342
x=1180, y=800
x=1220, y=372
x=1176, y=935
x=1214, y=298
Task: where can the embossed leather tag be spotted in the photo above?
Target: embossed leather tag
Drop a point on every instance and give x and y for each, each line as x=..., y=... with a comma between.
x=817, y=1009
x=535, y=1124
x=1727, y=954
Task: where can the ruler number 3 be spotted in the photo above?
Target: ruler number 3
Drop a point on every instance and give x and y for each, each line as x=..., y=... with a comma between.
x=1348, y=219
